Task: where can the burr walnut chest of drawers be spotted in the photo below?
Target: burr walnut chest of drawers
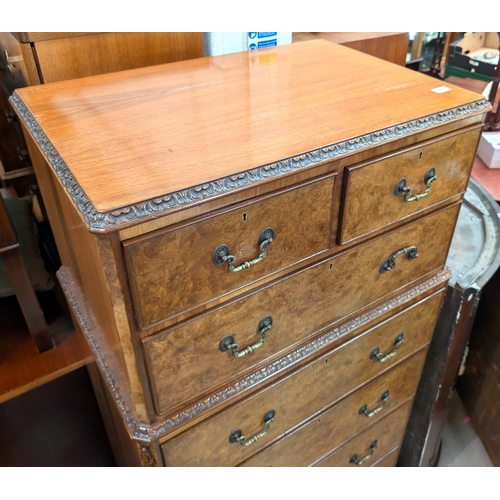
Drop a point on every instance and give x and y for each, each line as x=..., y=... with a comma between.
x=254, y=246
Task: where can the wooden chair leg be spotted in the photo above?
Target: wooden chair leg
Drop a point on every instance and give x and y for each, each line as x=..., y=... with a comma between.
x=33, y=314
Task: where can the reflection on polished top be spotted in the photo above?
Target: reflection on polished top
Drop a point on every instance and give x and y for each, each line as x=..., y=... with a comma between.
x=138, y=135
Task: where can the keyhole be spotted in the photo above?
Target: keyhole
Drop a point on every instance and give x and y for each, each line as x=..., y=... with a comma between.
x=244, y=217
x=330, y=267
x=420, y=155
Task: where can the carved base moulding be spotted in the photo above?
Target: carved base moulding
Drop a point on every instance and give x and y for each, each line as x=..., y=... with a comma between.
x=149, y=433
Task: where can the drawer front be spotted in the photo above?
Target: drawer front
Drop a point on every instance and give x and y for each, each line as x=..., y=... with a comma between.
x=212, y=442
x=178, y=269
x=388, y=460
x=365, y=449
x=187, y=361
x=307, y=445
x=370, y=202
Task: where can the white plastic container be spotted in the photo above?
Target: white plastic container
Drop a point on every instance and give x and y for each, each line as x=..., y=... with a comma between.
x=489, y=149
x=218, y=42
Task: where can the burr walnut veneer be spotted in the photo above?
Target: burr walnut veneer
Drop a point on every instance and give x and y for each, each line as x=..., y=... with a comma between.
x=254, y=246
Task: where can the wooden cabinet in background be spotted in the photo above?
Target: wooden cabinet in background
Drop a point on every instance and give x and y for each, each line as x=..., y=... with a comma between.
x=479, y=386
x=256, y=279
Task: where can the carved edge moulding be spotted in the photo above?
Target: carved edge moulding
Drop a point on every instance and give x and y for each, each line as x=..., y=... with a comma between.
x=149, y=433
x=149, y=209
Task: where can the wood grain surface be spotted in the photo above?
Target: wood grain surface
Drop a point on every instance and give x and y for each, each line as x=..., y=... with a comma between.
x=341, y=423
x=387, y=432
x=84, y=254
x=37, y=36
x=379, y=207
x=314, y=298
x=390, y=46
x=388, y=460
x=148, y=132
x=186, y=361
x=65, y=58
x=172, y=271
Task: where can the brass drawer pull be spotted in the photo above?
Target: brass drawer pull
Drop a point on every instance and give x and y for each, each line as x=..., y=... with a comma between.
x=382, y=358
x=237, y=436
x=390, y=263
x=222, y=255
x=265, y=324
x=354, y=459
x=370, y=413
x=400, y=188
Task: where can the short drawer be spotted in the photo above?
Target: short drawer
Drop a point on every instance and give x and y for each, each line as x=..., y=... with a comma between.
x=174, y=270
x=337, y=425
x=217, y=441
x=367, y=448
x=187, y=361
x=374, y=197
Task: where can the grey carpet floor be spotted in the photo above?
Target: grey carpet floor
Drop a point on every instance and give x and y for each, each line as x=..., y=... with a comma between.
x=461, y=445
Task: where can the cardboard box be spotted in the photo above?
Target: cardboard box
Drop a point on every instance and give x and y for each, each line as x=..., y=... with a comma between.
x=489, y=149
x=476, y=52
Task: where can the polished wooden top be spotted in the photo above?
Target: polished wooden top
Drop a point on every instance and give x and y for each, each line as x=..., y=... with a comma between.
x=137, y=135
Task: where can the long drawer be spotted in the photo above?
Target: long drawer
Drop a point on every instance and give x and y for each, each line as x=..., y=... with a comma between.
x=334, y=427
x=374, y=193
x=173, y=270
x=217, y=441
x=194, y=358
x=374, y=443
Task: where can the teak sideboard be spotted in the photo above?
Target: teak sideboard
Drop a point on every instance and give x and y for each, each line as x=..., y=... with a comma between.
x=254, y=246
